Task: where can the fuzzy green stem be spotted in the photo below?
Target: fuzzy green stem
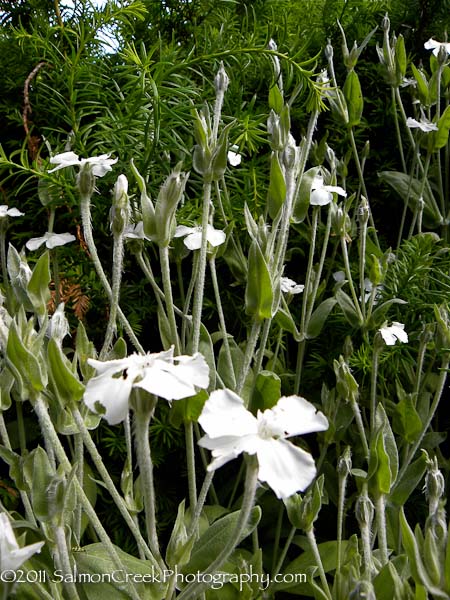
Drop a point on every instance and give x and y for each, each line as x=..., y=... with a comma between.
x=117, y=266
x=200, y=280
x=103, y=472
x=167, y=287
x=190, y=461
x=318, y=561
x=85, y=212
x=362, y=181
x=373, y=386
x=380, y=512
x=397, y=129
x=285, y=550
x=79, y=459
x=249, y=353
x=348, y=274
x=360, y=426
x=64, y=563
x=251, y=480
x=200, y=502
x=223, y=327
x=49, y=433
x=144, y=461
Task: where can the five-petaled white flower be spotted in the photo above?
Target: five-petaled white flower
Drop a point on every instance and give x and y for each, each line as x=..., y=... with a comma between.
x=51, y=240
x=289, y=286
x=321, y=194
x=231, y=429
x=162, y=374
x=100, y=165
x=9, y=212
x=135, y=231
x=12, y=556
x=436, y=46
x=423, y=125
x=394, y=332
x=193, y=239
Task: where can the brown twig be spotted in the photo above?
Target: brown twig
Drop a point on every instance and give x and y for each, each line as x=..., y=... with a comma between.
x=32, y=141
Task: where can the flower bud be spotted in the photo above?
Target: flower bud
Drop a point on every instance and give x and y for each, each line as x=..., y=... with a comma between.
x=58, y=326
x=86, y=181
x=329, y=51
x=221, y=80
x=344, y=465
x=120, y=208
x=364, y=509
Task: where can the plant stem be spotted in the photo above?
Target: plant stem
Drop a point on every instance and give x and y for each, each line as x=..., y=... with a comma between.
x=87, y=230
x=49, y=433
x=318, y=561
x=144, y=461
x=251, y=480
x=249, y=353
x=115, y=294
x=190, y=460
x=380, y=511
x=103, y=472
x=167, y=286
x=64, y=563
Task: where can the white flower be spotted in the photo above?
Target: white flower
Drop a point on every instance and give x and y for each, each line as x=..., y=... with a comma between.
x=135, y=232
x=393, y=333
x=12, y=556
x=9, y=212
x=100, y=165
x=288, y=286
x=162, y=374
x=51, y=240
x=231, y=429
x=423, y=125
x=322, y=195
x=193, y=239
x=234, y=158
x=436, y=46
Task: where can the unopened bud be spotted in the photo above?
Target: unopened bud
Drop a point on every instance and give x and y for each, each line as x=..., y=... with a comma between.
x=221, y=80
x=364, y=509
x=120, y=210
x=86, y=181
x=344, y=465
x=329, y=51
x=385, y=23
x=58, y=326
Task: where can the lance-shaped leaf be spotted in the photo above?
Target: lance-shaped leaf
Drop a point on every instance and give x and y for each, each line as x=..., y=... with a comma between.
x=258, y=292
x=25, y=362
x=440, y=137
x=383, y=464
x=277, y=187
x=67, y=386
x=38, y=287
x=401, y=61
x=422, y=85
x=354, y=98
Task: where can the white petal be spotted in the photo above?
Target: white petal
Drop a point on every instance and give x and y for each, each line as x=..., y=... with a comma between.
x=336, y=189
x=228, y=447
x=182, y=230
x=176, y=381
x=317, y=182
x=399, y=331
x=193, y=241
x=284, y=467
x=224, y=414
x=289, y=286
x=320, y=197
x=111, y=367
x=234, y=158
x=14, y=212
x=425, y=126
x=393, y=333
x=58, y=239
x=12, y=556
x=296, y=416
x=112, y=393
x=66, y=159
x=215, y=237
x=36, y=243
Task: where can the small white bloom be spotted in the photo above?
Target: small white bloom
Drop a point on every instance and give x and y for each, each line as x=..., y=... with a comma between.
x=393, y=333
x=339, y=276
x=321, y=194
x=288, y=286
x=51, y=240
x=9, y=212
x=135, y=232
x=100, y=165
x=436, y=46
x=423, y=125
x=12, y=556
x=162, y=374
x=231, y=429
x=193, y=239
x=234, y=158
